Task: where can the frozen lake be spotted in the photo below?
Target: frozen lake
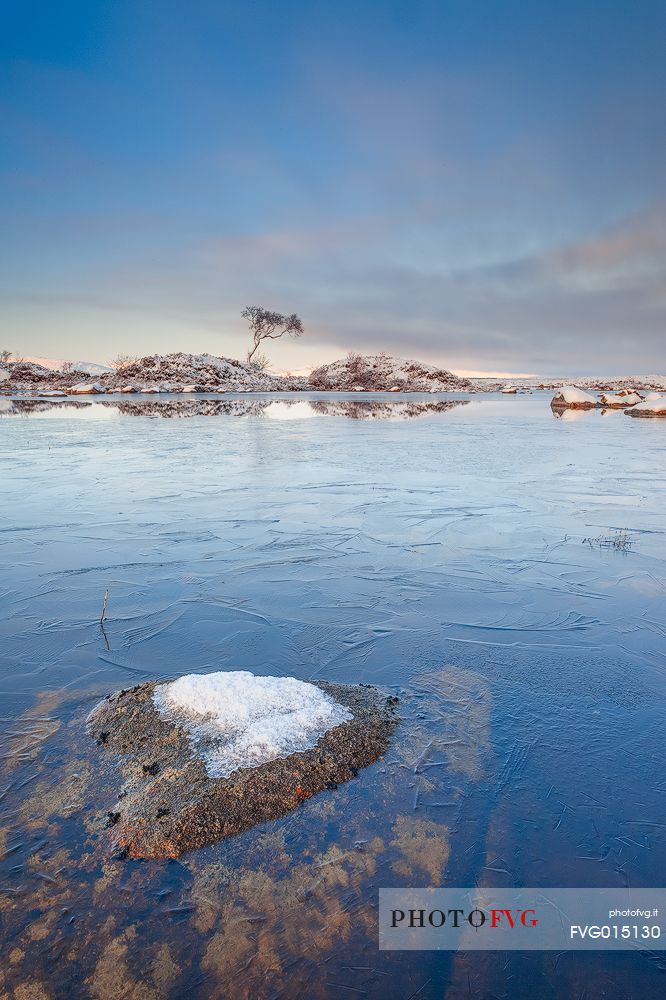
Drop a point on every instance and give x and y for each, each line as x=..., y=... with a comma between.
x=456, y=551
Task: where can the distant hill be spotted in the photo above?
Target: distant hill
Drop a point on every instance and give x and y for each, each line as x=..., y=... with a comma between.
x=55, y=364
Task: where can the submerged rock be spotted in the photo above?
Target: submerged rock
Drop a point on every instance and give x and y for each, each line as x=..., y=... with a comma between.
x=178, y=748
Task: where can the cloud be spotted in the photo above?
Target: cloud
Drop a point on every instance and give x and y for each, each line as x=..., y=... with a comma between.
x=484, y=192
x=587, y=306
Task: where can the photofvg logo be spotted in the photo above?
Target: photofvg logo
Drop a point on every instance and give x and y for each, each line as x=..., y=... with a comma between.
x=476, y=918
x=531, y=919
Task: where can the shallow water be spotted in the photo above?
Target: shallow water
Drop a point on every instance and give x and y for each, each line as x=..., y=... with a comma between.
x=455, y=555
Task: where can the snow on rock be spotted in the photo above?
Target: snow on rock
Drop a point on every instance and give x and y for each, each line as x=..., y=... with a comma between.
x=6, y=406
x=383, y=373
x=509, y=390
x=86, y=389
x=620, y=399
x=571, y=397
x=238, y=719
x=651, y=396
x=648, y=408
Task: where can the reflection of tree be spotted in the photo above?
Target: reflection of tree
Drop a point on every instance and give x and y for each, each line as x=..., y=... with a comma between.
x=382, y=410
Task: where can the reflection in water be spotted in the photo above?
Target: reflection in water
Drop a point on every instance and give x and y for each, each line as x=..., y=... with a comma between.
x=569, y=415
x=383, y=410
x=279, y=409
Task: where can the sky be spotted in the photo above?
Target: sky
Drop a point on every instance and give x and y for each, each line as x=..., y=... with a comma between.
x=480, y=184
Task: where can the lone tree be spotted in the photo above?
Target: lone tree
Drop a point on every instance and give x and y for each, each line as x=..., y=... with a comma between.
x=267, y=325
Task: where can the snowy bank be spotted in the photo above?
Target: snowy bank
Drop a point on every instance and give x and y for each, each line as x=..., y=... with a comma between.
x=86, y=389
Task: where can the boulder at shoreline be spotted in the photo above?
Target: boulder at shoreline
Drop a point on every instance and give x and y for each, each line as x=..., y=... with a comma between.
x=649, y=408
x=571, y=398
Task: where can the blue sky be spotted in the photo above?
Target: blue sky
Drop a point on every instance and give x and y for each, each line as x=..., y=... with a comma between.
x=481, y=184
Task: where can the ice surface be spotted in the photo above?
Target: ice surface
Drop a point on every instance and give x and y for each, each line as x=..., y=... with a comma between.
x=362, y=551
x=237, y=719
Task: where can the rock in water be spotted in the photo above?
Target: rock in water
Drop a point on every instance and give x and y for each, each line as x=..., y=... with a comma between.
x=570, y=397
x=208, y=756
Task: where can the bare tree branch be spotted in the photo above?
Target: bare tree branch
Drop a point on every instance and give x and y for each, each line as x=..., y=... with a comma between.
x=268, y=325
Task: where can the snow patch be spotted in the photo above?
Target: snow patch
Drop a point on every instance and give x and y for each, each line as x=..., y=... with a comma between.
x=237, y=719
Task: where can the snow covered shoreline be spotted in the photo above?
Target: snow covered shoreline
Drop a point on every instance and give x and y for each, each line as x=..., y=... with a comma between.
x=204, y=373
